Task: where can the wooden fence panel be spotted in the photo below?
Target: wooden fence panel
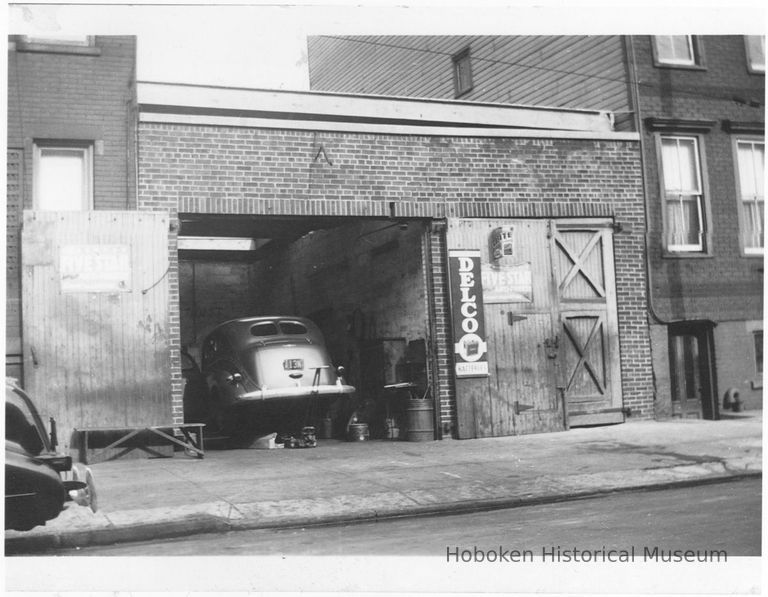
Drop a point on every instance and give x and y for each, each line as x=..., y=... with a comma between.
x=95, y=318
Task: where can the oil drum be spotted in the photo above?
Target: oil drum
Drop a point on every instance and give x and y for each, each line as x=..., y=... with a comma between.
x=421, y=427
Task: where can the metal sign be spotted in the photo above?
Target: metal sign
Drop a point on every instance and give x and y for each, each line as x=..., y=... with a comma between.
x=95, y=268
x=502, y=244
x=508, y=283
x=466, y=286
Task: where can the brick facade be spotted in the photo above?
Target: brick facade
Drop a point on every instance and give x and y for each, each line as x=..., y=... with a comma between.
x=724, y=285
x=209, y=169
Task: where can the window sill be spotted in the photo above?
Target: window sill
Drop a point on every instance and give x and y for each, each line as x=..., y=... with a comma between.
x=667, y=254
x=23, y=46
x=697, y=67
x=757, y=384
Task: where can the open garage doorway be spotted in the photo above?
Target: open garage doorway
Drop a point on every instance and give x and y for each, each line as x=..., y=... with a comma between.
x=362, y=281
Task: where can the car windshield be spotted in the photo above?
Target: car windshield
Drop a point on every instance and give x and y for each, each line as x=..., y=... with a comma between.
x=21, y=424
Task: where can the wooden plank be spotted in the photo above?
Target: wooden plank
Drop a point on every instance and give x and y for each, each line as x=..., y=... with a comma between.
x=345, y=107
x=597, y=418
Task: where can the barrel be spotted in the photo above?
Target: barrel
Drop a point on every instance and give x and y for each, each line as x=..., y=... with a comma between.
x=421, y=426
x=358, y=432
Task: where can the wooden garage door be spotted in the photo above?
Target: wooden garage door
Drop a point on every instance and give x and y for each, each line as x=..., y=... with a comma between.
x=590, y=373
x=520, y=393
x=551, y=329
x=95, y=318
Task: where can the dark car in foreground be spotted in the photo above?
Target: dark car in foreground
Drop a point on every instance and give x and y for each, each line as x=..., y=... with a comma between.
x=256, y=363
x=36, y=489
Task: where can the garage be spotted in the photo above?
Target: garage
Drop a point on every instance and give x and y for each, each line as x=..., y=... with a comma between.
x=360, y=280
x=351, y=211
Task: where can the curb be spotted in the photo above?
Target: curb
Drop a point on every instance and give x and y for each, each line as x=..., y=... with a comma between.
x=206, y=523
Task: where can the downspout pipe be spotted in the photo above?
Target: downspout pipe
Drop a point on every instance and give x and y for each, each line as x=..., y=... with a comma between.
x=635, y=87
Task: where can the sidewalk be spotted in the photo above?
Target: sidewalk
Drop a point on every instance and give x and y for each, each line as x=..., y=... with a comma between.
x=141, y=499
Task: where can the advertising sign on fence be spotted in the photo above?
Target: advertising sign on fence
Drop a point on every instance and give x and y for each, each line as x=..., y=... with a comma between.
x=470, y=348
x=95, y=268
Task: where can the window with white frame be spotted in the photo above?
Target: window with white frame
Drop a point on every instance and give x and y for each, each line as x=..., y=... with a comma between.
x=675, y=50
x=683, y=195
x=755, y=53
x=750, y=165
x=63, y=176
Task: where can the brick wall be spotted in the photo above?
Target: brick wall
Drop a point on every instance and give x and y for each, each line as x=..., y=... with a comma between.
x=737, y=364
x=69, y=96
x=724, y=285
x=211, y=293
x=254, y=171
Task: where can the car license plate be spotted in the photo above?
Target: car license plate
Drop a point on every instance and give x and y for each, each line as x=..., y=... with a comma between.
x=293, y=364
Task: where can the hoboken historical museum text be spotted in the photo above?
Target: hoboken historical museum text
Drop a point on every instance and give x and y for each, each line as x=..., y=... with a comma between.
x=560, y=554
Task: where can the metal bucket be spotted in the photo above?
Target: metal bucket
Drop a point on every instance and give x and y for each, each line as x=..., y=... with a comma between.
x=391, y=430
x=421, y=427
x=358, y=432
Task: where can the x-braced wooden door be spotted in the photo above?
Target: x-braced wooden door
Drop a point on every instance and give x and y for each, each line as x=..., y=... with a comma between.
x=590, y=372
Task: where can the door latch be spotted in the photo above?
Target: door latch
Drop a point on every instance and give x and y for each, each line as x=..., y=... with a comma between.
x=551, y=346
x=521, y=407
x=512, y=318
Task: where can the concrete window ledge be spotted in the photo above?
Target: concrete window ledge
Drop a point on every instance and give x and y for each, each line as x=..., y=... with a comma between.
x=51, y=48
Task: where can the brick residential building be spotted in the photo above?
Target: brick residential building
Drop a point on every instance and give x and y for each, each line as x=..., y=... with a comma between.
x=71, y=113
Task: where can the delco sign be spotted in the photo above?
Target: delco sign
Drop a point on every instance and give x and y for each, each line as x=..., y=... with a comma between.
x=469, y=343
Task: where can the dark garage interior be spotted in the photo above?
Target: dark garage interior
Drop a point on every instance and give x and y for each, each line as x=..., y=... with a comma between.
x=361, y=280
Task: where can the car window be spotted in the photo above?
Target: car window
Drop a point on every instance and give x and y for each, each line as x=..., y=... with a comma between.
x=264, y=329
x=20, y=424
x=293, y=328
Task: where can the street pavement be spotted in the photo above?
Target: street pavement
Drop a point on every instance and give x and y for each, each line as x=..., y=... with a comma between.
x=341, y=482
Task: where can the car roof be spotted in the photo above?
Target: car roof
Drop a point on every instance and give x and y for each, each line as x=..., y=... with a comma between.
x=238, y=331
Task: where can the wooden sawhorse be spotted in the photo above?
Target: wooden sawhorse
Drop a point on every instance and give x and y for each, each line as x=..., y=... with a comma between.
x=192, y=443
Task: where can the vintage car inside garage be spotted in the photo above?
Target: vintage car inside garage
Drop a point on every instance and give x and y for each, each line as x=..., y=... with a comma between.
x=361, y=280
